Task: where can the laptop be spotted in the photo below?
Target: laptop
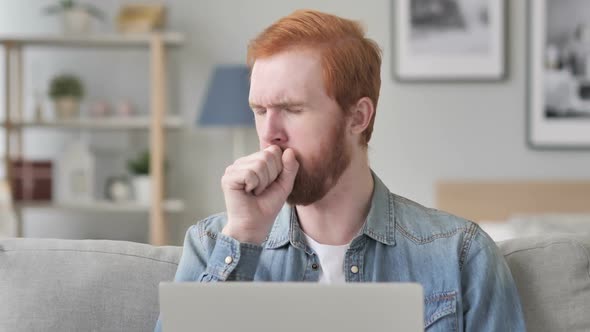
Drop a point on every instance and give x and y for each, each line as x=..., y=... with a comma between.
x=291, y=307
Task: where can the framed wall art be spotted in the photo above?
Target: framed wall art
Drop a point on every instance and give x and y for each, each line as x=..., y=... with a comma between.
x=558, y=75
x=449, y=40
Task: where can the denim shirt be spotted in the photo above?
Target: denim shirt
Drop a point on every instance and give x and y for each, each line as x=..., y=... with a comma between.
x=467, y=283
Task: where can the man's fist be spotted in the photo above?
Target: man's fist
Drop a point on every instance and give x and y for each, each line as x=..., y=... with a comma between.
x=255, y=188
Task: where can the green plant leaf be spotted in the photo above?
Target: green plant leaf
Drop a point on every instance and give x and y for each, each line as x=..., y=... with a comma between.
x=65, y=5
x=66, y=85
x=140, y=165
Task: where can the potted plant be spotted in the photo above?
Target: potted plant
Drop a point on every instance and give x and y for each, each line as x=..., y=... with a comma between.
x=66, y=91
x=139, y=167
x=76, y=18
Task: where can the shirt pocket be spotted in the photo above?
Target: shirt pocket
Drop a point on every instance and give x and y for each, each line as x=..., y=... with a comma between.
x=440, y=312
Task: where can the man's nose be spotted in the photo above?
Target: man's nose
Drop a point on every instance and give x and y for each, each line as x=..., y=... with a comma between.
x=271, y=130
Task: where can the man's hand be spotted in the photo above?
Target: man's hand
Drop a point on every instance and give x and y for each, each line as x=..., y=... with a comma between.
x=255, y=188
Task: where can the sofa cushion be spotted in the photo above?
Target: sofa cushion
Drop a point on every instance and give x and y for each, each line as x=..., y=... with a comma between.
x=552, y=274
x=92, y=285
x=81, y=285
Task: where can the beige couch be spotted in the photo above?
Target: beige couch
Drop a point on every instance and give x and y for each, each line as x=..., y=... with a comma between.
x=91, y=285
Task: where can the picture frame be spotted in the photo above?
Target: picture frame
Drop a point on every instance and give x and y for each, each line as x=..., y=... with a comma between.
x=449, y=40
x=558, y=75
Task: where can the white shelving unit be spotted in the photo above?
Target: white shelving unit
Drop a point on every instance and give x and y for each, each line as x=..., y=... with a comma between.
x=103, y=206
x=156, y=123
x=95, y=40
x=118, y=123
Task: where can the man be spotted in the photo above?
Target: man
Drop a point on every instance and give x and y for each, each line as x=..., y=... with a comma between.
x=307, y=206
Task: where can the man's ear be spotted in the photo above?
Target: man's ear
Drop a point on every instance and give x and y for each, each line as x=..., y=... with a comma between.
x=361, y=114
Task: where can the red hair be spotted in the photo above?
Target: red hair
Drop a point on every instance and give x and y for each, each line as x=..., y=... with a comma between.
x=351, y=62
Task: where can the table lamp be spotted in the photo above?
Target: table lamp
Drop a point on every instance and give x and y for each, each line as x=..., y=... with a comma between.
x=226, y=104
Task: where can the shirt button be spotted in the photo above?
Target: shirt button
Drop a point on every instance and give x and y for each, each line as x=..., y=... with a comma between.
x=228, y=260
x=314, y=266
x=354, y=269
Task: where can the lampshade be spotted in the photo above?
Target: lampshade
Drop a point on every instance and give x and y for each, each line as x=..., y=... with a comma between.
x=226, y=101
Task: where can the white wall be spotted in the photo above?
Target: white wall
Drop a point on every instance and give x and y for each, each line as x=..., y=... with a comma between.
x=423, y=133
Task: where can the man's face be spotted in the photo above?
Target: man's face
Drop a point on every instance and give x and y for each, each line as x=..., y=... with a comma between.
x=293, y=110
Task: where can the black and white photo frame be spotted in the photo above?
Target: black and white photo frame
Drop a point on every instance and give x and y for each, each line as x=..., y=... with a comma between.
x=558, y=82
x=449, y=40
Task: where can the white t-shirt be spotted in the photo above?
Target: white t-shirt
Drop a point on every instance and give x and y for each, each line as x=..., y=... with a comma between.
x=331, y=259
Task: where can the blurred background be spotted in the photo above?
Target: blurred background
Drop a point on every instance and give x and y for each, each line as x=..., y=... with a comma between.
x=75, y=171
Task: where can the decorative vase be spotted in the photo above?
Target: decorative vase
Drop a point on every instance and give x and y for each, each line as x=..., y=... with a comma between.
x=142, y=189
x=76, y=173
x=67, y=108
x=76, y=21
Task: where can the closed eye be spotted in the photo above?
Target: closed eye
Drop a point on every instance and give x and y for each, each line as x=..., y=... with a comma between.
x=259, y=110
x=294, y=110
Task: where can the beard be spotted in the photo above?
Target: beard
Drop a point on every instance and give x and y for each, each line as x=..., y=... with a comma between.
x=316, y=177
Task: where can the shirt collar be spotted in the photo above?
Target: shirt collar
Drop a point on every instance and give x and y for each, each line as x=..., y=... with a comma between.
x=379, y=225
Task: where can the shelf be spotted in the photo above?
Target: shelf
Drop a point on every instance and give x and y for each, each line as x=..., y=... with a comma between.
x=156, y=46
x=171, y=122
x=91, y=40
x=102, y=206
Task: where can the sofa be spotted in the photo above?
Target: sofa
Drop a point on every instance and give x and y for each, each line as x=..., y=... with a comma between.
x=97, y=285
